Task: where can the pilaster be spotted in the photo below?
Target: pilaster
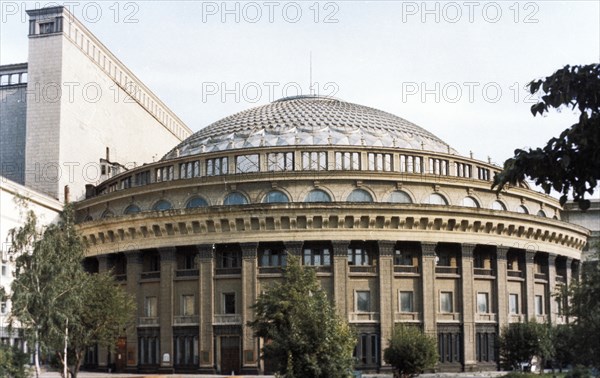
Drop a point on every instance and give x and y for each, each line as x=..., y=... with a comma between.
x=134, y=268
x=386, y=293
x=551, y=303
x=294, y=248
x=340, y=277
x=168, y=264
x=530, y=284
x=206, y=255
x=501, y=280
x=468, y=305
x=249, y=294
x=428, y=258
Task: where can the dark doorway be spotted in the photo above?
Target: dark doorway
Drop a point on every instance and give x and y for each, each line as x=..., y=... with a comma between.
x=121, y=354
x=230, y=355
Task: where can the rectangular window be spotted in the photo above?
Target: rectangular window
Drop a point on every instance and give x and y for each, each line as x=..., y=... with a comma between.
x=217, y=166
x=438, y=167
x=363, y=301
x=462, y=170
x=280, y=161
x=270, y=257
x=446, y=303
x=482, y=303
x=380, y=162
x=2, y=307
x=358, y=256
x=539, y=305
x=347, y=161
x=142, y=178
x=189, y=170
x=4, y=270
x=317, y=256
x=403, y=258
x=483, y=174
x=247, y=163
x=314, y=161
x=513, y=303
x=229, y=303
x=187, y=305
x=411, y=164
x=46, y=27
x=151, y=307
x=406, y=301
x=164, y=173
x=229, y=259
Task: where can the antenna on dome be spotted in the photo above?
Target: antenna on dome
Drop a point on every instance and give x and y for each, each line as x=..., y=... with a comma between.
x=310, y=84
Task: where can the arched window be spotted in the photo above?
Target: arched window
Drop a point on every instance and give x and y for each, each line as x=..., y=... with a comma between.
x=497, y=205
x=132, y=209
x=541, y=214
x=399, y=196
x=88, y=218
x=522, y=209
x=469, y=202
x=162, y=205
x=436, y=199
x=235, y=198
x=275, y=196
x=196, y=202
x=107, y=214
x=317, y=195
x=359, y=195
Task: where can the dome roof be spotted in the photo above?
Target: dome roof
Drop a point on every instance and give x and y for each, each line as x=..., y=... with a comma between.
x=309, y=121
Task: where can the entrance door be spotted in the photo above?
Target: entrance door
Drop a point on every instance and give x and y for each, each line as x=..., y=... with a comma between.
x=121, y=357
x=230, y=355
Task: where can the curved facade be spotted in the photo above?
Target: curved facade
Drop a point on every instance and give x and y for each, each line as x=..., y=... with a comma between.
x=397, y=225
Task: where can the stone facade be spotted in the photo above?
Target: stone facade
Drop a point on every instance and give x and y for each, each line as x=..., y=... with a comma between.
x=432, y=247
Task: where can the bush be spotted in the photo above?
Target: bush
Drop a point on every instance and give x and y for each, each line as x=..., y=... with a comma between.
x=410, y=351
x=520, y=342
x=12, y=362
x=579, y=372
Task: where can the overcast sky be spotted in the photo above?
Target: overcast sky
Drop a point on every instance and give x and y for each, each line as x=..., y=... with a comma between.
x=457, y=69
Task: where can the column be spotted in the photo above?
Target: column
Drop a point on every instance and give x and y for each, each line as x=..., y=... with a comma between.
x=530, y=284
x=468, y=305
x=206, y=302
x=428, y=296
x=340, y=276
x=294, y=248
x=386, y=294
x=168, y=264
x=501, y=282
x=103, y=360
x=250, y=352
x=568, y=278
x=551, y=304
x=134, y=268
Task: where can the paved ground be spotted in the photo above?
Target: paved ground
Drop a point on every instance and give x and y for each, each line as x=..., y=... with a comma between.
x=99, y=375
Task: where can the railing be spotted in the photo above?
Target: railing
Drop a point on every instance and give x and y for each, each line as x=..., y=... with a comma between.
x=270, y=270
x=186, y=319
x=120, y=277
x=406, y=269
x=446, y=270
x=227, y=319
x=148, y=321
x=358, y=317
x=150, y=275
x=186, y=273
x=540, y=276
x=514, y=273
x=228, y=271
x=483, y=272
x=363, y=269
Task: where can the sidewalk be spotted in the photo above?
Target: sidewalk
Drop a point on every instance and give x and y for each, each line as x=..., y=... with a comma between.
x=85, y=374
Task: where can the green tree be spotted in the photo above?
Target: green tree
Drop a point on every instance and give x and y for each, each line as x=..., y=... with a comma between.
x=521, y=342
x=571, y=162
x=12, y=362
x=410, y=351
x=584, y=309
x=60, y=307
x=304, y=335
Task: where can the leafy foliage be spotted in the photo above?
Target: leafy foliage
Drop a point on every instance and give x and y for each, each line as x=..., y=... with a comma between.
x=520, y=342
x=12, y=362
x=410, y=351
x=570, y=162
x=304, y=335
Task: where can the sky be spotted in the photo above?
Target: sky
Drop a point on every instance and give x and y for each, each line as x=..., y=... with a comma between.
x=456, y=68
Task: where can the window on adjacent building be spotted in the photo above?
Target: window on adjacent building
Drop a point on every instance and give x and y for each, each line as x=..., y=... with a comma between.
x=280, y=161
x=317, y=256
x=347, y=161
x=482, y=303
x=46, y=27
x=151, y=307
x=406, y=301
x=2, y=308
x=363, y=301
x=314, y=161
x=513, y=303
x=229, y=303
x=446, y=303
x=539, y=305
x=188, y=305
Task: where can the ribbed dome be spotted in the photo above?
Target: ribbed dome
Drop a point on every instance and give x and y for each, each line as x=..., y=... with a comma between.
x=309, y=121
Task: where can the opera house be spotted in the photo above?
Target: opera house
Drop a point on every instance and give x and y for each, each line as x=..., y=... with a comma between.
x=398, y=226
